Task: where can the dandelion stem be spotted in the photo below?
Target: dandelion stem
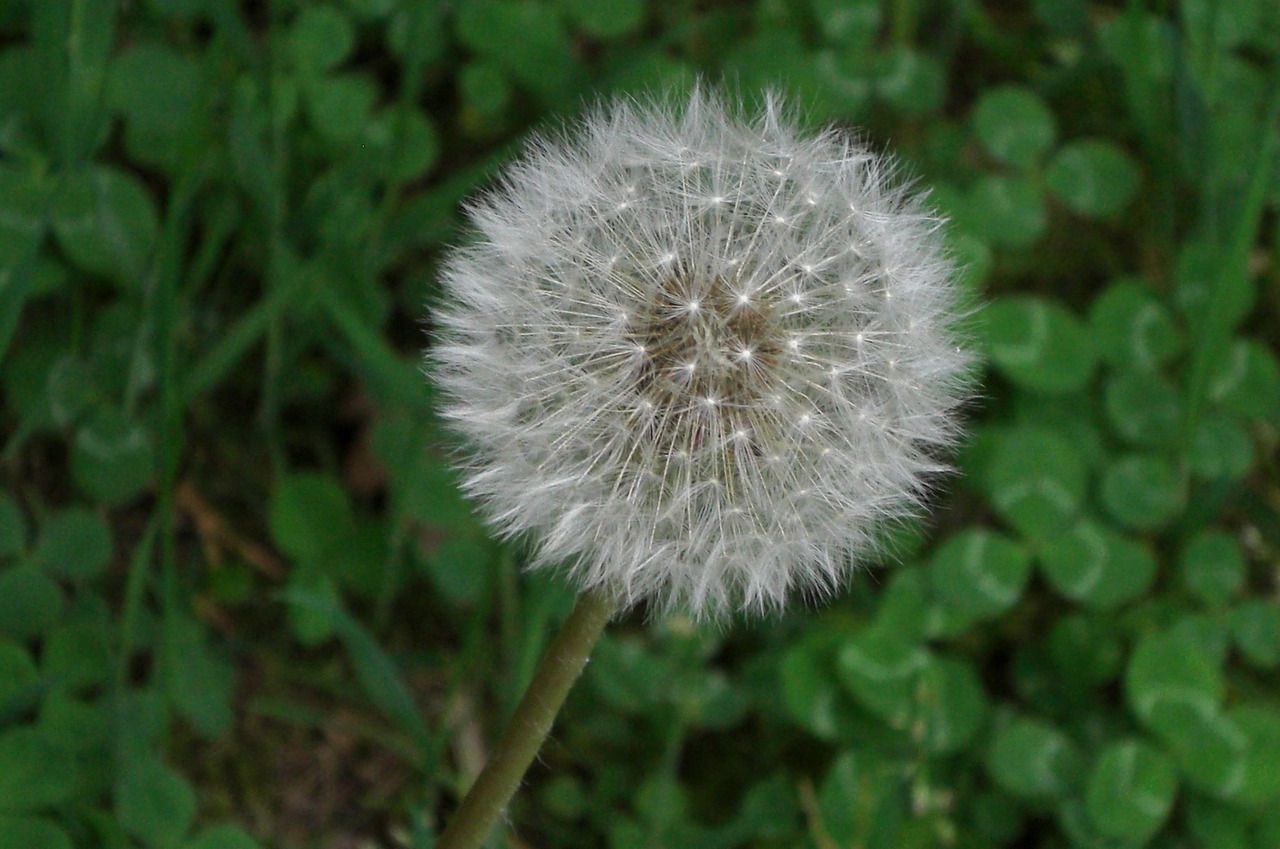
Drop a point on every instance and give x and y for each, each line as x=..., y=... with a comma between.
x=530, y=724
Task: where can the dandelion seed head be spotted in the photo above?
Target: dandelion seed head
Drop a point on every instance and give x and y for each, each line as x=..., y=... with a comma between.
x=700, y=358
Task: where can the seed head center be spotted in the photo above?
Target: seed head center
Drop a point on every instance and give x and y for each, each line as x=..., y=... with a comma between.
x=710, y=354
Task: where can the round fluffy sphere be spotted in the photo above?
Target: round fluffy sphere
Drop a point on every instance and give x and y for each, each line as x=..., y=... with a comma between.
x=700, y=358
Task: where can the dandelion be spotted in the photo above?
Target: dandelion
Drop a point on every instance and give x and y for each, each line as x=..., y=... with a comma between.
x=700, y=359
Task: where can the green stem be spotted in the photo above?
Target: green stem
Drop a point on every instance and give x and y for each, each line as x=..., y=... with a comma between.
x=530, y=724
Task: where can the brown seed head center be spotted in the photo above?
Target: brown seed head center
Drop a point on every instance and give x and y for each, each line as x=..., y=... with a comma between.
x=710, y=350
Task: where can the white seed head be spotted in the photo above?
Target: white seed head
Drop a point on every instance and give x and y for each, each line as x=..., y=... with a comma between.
x=673, y=371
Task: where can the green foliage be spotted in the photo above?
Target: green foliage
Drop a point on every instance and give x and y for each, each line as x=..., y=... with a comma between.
x=1030, y=759
x=1014, y=125
x=1094, y=178
x=980, y=574
x=1130, y=791
x=243, y=603
x=1096, y=566
x=1039, y=344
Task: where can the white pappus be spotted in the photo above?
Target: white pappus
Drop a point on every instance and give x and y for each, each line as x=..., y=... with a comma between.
x=699, y=356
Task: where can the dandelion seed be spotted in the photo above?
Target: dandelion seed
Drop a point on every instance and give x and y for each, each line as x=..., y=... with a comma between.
x=818, y=389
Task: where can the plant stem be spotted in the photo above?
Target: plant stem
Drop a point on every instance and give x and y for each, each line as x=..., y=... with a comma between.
x=530, y=724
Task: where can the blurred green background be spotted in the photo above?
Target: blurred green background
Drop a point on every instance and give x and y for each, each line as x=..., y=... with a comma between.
x=242, y=604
